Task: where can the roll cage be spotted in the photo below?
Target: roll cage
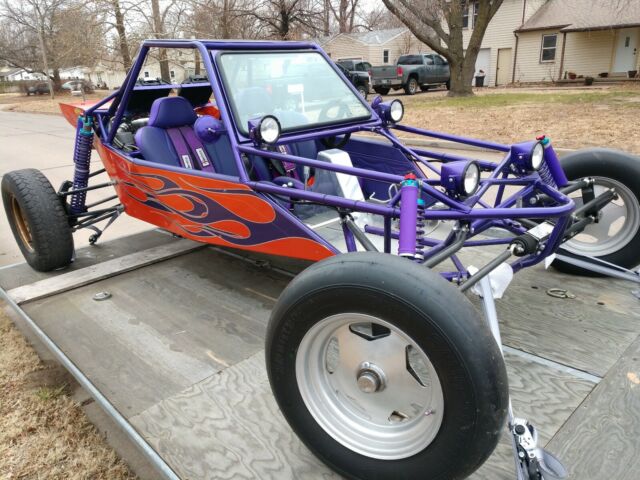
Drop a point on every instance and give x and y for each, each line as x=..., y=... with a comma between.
x=539, y=196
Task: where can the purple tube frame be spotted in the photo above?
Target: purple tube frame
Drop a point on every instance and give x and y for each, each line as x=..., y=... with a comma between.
x=479, y=219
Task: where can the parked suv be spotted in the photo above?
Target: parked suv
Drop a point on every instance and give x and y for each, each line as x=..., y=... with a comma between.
x=411, y=73
x=359, y=79
x=76, y=85
x=38, y=89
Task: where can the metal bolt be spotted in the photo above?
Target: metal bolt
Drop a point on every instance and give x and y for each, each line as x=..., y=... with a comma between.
x=368, y=382
x=100, y=296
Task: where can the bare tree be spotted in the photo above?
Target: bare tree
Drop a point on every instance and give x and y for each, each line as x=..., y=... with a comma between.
x=288, y=19
x=344, y=13
x=378, y=18
x=439, y=24
x=46, y=35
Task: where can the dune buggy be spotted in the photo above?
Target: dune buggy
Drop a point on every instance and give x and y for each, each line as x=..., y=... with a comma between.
x=382, y=366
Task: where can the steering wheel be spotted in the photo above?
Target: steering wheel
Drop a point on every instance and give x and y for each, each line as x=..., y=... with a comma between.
x=334, y=111
x=331, y=112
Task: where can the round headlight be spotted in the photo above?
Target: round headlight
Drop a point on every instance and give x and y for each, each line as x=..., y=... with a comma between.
x=396, y=111
x=537, y=156
x=471, y=178
x=269, y=129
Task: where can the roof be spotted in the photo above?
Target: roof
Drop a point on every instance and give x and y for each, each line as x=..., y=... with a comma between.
x=578, y=15
x=374, y=37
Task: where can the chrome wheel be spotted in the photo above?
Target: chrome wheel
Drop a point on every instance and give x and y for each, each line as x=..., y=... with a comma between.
x=369, y=386
x=618, y=222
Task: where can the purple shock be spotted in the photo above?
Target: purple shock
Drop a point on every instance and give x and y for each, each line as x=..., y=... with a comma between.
x=551, y=168
x=409, y=194
x=82, y=162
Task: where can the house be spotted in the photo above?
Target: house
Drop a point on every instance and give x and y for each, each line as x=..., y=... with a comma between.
x=378, y=47
x=18, y=74
x=498, y=48
x=586, y=38
x=496, y=53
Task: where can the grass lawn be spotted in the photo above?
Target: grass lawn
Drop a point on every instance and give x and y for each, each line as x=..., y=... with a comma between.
x=572, y=118
x=43, y=433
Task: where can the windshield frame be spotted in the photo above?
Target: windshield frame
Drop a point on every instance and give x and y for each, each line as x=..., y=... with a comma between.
x=231, y=104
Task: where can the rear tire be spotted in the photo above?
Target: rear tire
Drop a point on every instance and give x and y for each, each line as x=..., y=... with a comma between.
x=38, y=219
x=415, y=310
x=448, y=84
x=382, y=90
x=609, y=168
x=411, y=88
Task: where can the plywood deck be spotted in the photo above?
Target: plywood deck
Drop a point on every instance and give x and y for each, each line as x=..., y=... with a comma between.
x=178, y=350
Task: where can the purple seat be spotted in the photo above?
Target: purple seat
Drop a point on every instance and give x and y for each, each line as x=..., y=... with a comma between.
x=169, y=137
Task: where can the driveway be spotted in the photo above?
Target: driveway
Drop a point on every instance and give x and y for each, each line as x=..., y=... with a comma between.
x=45, y=142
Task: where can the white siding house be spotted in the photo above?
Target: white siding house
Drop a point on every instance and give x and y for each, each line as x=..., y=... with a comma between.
x=563, y=36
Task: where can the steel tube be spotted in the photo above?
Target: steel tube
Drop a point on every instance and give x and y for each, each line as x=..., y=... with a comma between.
x=446, y=252
x=486, y=270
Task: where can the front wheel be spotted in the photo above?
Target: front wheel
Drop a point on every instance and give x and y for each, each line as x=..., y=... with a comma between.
x=383, y=368
x=615, y=238
x=38, y=219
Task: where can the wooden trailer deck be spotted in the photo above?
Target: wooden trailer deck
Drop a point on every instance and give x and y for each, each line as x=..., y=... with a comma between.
x=177, y=350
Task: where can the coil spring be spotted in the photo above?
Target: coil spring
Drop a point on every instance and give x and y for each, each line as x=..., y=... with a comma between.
x=82, y=162
x=545, y=175
x=420, y=230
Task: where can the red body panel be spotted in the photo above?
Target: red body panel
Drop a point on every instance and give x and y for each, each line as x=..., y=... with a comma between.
x=206, y=209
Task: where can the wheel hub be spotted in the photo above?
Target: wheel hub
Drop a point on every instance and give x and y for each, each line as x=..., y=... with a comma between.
x=370, y=378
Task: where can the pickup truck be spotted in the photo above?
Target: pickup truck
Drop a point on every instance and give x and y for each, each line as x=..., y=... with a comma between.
x=359, y=78
x=412, y=72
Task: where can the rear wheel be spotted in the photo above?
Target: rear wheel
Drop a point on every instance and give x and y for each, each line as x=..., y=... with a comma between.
x=448, y=84
x=615, y=238
x=411, y=88
x=381, y=90
x=38, y=219
x=381, y=367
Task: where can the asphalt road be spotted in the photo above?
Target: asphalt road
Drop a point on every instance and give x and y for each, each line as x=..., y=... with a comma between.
x=45, y=142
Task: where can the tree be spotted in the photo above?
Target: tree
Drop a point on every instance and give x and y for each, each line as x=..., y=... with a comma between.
x=344, y=13
x=439, y=24
x=47, y=35
x=287, y=19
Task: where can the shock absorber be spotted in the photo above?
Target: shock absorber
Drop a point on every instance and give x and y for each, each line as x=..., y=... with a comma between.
x=409, y=194
x=420, y=230
x=82, y=162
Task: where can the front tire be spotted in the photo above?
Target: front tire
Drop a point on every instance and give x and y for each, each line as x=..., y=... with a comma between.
x=616, y=237
x=38, y=219
x=385, y=371
x=363, y=91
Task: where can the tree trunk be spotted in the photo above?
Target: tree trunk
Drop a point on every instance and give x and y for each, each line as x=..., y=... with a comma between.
x=45, y=60
x=461, y=77
x=159, y=31
x=325, y=18
x=122, y=35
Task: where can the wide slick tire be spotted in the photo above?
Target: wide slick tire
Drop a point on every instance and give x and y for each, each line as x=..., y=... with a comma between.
x=620, y=243
x=38, y=219
x=423, y=341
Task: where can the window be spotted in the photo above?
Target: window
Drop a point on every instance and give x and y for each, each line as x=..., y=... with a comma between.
x=172, y=73
x=385, y=56
x=548, y=50
x=476, y=7
x=438, y=60
x=428, y=60
x=465, y=14
x=146, y=74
